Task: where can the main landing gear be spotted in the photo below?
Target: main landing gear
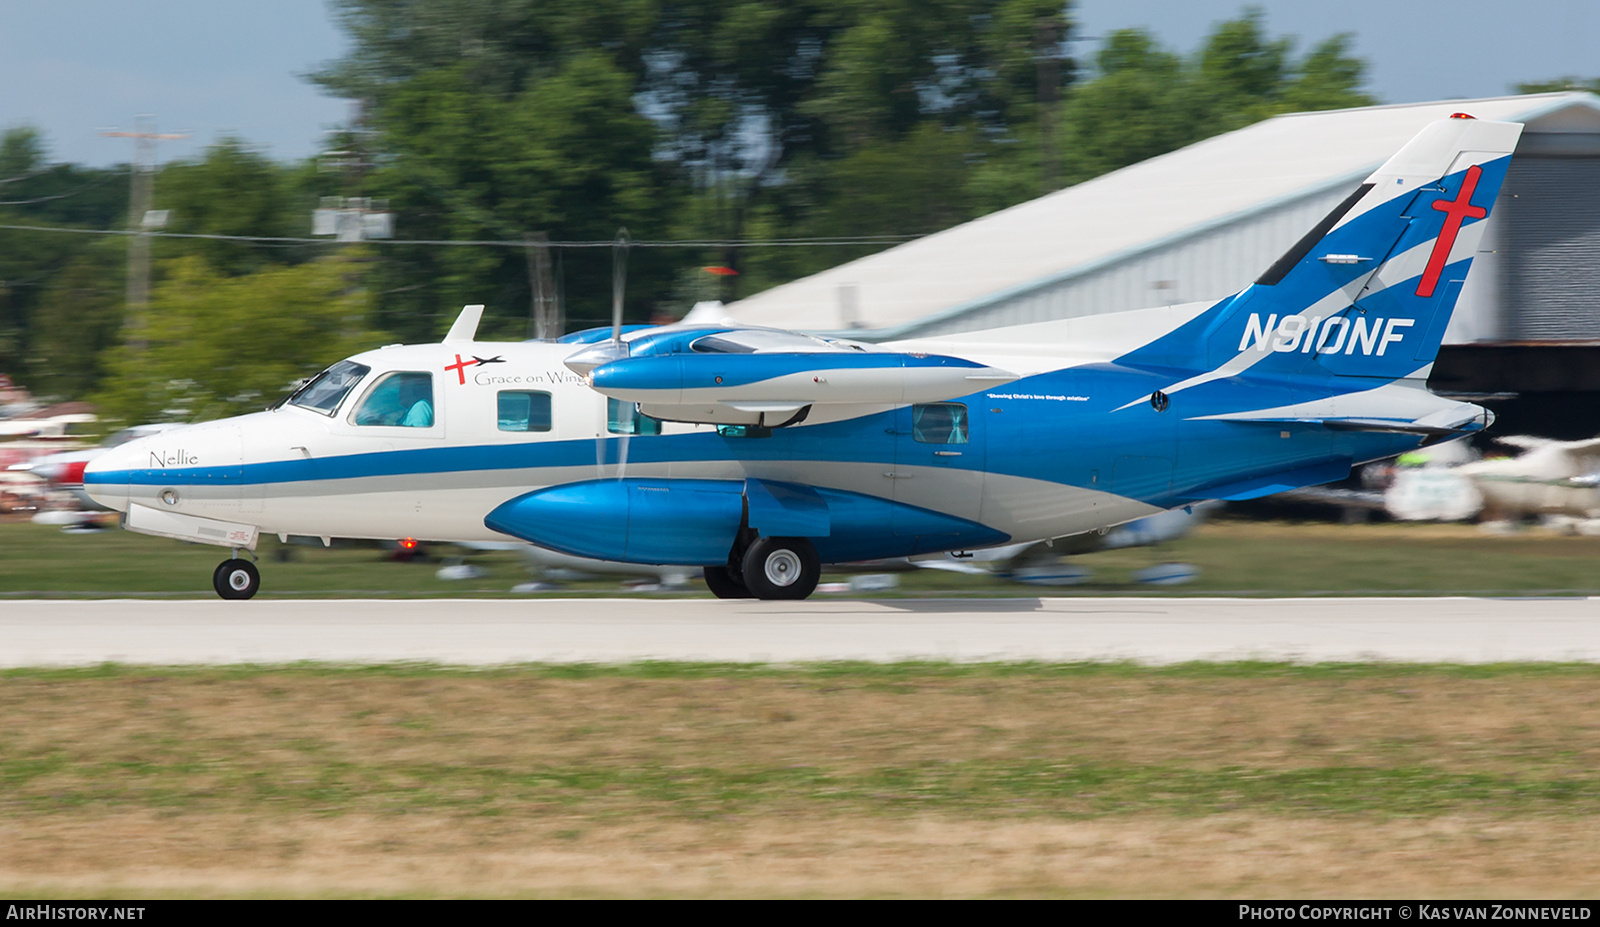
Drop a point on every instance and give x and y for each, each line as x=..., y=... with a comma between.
x=771, y=568
x=236, y=578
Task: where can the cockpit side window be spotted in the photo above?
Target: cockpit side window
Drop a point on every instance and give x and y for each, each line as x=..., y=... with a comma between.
x=939, y=423
x=399, y=400
x=328, y=389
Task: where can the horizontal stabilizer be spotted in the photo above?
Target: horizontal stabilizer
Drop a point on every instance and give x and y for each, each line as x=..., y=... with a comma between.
x=1409, y=413
x=1386, y=426
x=1379, y=425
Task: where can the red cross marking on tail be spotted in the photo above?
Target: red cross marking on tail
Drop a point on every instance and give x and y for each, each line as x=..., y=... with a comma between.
x=1455, y=211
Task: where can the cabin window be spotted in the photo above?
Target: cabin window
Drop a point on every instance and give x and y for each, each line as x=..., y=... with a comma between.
x=624, y=418
x=939, y=423
x=328, y=389
x=524, y=411
x=399, y=400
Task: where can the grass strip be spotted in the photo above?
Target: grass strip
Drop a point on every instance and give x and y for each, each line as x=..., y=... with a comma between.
x=973, y=788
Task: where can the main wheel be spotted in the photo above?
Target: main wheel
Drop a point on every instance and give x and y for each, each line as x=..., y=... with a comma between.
x=724, y=585
x=236, y=579
x=781, y=568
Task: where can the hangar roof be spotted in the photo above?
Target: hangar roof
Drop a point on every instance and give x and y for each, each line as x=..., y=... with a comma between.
x=1127, y=212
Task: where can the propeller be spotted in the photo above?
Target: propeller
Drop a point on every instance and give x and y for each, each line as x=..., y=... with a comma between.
x=619, y=281
x=619, y=349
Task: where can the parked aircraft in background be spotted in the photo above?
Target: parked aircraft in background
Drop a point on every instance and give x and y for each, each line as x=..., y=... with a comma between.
x=759, y=455
x=1429, y=485
x=1048, y=563
x=63, y=471
x=1548, y=478
x=552, y=566
x=49, y=431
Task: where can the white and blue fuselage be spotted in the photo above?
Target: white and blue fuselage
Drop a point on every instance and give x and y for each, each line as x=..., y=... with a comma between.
x=968, y=441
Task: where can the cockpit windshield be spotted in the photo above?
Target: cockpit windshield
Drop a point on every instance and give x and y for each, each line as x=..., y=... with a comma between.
x=328, y=389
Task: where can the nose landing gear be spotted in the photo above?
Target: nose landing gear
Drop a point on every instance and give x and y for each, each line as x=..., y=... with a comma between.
x=236, y=578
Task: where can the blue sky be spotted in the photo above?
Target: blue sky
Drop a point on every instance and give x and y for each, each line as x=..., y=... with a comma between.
x=215, y=67
x=207, y=67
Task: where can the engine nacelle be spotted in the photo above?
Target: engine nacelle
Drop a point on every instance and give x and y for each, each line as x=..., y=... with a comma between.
x=697, y=522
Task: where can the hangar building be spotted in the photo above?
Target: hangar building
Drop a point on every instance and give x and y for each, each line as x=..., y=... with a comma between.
x=1204, y=221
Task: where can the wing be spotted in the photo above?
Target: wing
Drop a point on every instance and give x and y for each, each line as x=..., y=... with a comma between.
x=766, y=376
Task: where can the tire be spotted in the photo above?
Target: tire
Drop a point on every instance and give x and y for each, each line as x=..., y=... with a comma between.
x=724, y=585
x=236, y=579
x=781, y=568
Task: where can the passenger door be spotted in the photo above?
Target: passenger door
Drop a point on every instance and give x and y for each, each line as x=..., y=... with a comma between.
x=939, y=460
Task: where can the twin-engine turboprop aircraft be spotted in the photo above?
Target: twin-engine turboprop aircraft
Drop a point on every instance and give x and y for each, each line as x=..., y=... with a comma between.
x=761, y=455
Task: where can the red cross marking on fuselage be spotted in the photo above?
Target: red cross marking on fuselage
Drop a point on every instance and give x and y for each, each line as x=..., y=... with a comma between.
x=460, y=367
x=1455, y=211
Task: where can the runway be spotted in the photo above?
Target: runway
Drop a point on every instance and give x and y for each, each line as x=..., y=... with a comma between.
x=493, y=631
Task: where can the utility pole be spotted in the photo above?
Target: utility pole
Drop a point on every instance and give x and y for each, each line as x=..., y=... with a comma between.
x=1048, y=71
x=547, y=321
x=1048, y=65
x=141, y=221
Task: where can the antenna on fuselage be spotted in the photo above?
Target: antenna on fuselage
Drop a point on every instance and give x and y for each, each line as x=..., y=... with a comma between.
x=466, y=327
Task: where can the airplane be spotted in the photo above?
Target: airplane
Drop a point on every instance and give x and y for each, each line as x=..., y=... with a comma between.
x=1549, y=478
x=1044, y=563
x=758, y=455
x=550, y=567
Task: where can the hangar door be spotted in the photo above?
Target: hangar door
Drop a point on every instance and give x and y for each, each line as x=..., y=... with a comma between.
x=1550, y=251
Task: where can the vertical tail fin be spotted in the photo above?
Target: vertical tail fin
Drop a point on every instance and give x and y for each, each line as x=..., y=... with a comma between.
x=1369, y=291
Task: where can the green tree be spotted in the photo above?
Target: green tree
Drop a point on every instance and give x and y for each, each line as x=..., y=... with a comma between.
x=1140, y=106
x=732, y=119
x=568, y=156
x=1591, y=85
x=232, y=190
x=1146, y=100
x=748, y=110
x=76, y=321
x=21, y=153
x=34, y=192
x=1328, y=78
x=223, y=345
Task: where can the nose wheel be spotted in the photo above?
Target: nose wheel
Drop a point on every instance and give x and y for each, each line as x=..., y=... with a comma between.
x=236, y=579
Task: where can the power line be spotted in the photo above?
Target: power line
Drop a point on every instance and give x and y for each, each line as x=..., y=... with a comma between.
x=497, y=243
x=59, y=196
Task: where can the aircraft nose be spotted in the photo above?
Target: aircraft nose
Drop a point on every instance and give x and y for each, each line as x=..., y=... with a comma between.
x=205, y=455
x=106, y=478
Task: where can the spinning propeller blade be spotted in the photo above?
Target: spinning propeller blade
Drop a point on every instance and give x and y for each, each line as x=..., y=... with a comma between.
x=619, y=281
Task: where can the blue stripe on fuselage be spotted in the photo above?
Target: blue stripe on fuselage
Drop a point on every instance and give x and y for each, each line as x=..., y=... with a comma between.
x=1063, y=427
